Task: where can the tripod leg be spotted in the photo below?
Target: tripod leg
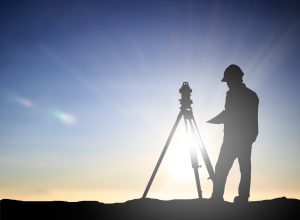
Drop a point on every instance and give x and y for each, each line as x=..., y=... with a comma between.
x=195, y=164
x=162, y=155
x=198, y=182
x=203, y=150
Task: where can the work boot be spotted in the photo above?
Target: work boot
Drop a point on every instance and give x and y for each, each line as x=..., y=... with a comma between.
x=240, y=200
x=215, y=198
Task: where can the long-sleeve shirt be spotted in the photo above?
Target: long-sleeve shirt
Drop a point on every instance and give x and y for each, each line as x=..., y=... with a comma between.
x=240, y=117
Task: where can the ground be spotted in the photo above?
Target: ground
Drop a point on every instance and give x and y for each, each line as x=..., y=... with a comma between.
x=280, y=208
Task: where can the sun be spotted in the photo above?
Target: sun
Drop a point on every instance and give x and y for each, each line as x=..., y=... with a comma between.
x=179, y=158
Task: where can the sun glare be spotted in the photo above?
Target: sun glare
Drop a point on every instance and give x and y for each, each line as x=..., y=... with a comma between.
x=179, y=159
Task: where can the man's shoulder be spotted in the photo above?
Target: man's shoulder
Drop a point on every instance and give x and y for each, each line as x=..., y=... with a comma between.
x=250, y=93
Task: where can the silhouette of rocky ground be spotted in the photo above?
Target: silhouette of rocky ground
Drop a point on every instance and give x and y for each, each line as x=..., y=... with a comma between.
x=280, y=208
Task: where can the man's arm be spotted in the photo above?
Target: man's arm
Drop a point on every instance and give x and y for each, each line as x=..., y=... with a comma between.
x=219, y=119
x=255, y=118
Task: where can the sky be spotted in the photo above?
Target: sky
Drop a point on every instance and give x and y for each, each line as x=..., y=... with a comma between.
x=89, y=94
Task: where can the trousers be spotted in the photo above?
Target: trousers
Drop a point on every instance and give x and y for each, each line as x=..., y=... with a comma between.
x=232, y=149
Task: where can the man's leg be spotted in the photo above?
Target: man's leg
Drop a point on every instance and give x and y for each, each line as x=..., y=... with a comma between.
x=244, y=159
x=224, y=164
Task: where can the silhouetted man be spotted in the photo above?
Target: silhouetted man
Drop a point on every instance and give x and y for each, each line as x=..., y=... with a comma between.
x=240, y=131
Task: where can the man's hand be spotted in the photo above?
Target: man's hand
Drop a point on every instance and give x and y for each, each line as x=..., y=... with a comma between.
x=219, y=119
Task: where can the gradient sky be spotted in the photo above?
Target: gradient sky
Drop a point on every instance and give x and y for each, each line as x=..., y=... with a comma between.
x=89, y=93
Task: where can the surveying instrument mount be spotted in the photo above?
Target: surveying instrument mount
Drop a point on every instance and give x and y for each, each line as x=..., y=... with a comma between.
x=190, y=124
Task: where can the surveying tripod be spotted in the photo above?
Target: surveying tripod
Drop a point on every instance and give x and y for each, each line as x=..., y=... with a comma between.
x=189, y=121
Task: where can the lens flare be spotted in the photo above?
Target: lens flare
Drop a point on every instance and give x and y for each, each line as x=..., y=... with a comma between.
x=65, y=118
x=26, y=103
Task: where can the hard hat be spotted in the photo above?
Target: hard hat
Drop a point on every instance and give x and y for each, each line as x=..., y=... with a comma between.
x=232, y=72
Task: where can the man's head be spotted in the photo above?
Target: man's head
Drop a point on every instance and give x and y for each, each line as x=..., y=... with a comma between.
x=233, y=76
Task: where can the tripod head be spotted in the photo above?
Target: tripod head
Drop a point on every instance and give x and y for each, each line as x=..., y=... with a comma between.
x=185, y=100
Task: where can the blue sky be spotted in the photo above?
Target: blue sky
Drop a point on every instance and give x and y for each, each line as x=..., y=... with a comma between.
x=89, y=91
